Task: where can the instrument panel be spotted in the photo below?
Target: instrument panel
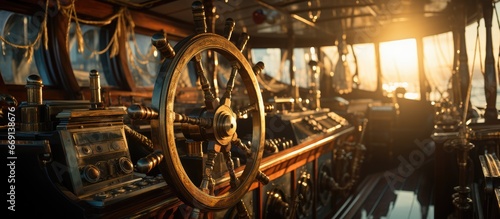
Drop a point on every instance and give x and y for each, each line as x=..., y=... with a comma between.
x=96, y=157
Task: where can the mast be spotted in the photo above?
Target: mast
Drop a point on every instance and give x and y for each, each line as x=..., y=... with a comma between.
x=490, y=79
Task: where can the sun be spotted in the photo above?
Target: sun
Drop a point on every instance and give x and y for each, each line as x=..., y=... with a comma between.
x=399, y=63
x=399, y=58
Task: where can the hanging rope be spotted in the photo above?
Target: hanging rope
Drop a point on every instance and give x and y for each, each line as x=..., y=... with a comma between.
x=441, y=59
x=143, y=59
x=35, y=44
x=123, y=18
x=138, y=58
x=355, y=77
x=125, y=25
x=477, y=49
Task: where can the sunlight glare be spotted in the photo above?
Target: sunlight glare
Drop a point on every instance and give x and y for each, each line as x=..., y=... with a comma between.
x=399, y=65
x=400, y=56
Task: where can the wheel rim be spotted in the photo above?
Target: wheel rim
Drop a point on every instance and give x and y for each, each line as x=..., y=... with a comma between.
x=163, y=132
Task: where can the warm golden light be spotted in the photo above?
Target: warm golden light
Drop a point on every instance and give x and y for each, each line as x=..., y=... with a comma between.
x=399, y=57
x=399, y=65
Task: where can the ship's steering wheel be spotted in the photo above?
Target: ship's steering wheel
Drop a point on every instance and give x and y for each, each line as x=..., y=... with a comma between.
x=214, y=124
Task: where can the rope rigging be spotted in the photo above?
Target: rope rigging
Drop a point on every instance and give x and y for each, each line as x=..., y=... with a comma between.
x=125, y=25
x=36, y=43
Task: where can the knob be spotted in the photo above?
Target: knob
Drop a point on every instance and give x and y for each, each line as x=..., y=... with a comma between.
x=277, y=205
x=262, y=178
x=125, y=165
x=270, y=146
x=242, y=41
x=199, y=17
x=159, y=40
x=86, y=150
x=258, y=68
x=91, y=173
x=268, y=108
x=228, y=28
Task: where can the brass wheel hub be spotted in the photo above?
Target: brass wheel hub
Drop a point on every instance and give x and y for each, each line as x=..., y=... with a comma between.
x=224, y=125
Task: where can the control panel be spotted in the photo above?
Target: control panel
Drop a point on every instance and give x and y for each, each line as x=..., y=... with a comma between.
x=122, y=191
x=303, y=126
x=89, y=152
x=96, y=157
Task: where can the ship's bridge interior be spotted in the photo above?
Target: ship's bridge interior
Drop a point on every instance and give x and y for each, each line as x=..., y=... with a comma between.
x=220, y=109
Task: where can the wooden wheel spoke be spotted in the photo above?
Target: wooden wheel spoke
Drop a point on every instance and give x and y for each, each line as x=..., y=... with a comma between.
x=234, y=181
x=245, y=110
x=214, y=123
x=226, y=98
x=210, y=100
x=200, y=121
x=208, y=183
x=238, y=143
x=253, y=107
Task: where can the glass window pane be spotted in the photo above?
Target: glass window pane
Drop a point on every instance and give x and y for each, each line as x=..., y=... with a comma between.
x=271, y=57
x=438, y=60
x=144, y=60
x=277, y=64
x=86, y=58
x=399, y=65
x=476, y=58
x=302, y=56
x=365, y=54
x=16, y=64
x=329, y=57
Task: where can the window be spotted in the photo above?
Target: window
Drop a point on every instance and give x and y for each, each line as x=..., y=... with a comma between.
x=399, y=65
x=271, y=57
x=364, y=53
x=438, y=59
x=144, y=61
x=85, y=54
x=277, y=64
x=20, y=47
